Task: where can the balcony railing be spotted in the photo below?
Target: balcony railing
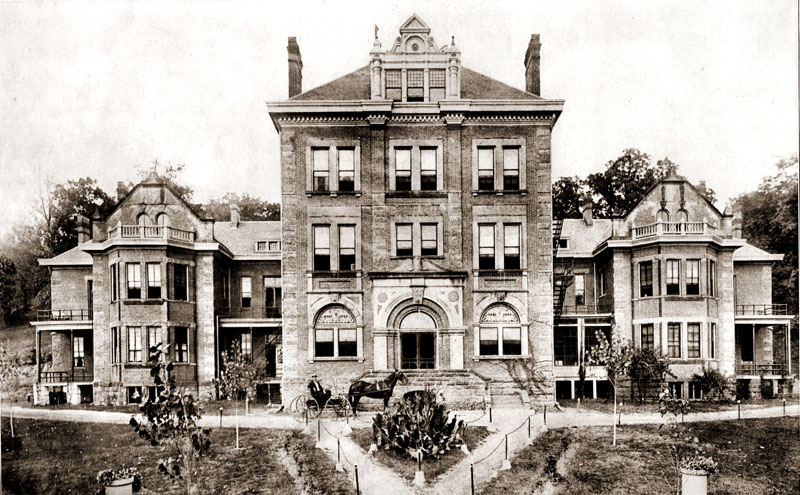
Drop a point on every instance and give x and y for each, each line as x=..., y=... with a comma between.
x=761, y=310
x=63, y=314
x=76, y=375
x=586, y=309
x=672, y=228
x=262, y=312
x=150, y=232
x=759, y=369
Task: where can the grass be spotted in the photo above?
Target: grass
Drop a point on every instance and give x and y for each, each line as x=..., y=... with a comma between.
x=607, y=406
x=63, y=457
x=406, y=466
x=755, y=456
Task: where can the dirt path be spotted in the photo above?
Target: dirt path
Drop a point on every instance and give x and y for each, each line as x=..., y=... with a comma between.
x=291, y=467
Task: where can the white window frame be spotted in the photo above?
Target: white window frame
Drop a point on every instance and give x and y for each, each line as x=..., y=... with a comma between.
x=335, y=328
x=331, y=217
x=416, y=145
x=134, y=341
x=416, y=235
x=515, y=216
x=499, y=145
x=150, y=282
x=500, y=327
x=333, y=147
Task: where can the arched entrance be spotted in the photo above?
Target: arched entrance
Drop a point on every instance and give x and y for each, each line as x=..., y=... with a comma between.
x=418, y=330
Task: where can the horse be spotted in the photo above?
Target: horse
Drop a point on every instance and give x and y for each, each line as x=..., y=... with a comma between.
x=381, y=389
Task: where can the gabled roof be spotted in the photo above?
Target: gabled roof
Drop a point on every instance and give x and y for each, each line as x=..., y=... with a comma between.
x=672, y=177
x=241, y=240
x=356, y=86
x=73, y=257
x=583, y=239
x=153, y=179
x=748, y=252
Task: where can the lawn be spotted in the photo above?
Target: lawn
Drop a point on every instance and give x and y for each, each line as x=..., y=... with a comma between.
x=754, y=455
x=405, y=466
x=62, y=457
x=628, y=407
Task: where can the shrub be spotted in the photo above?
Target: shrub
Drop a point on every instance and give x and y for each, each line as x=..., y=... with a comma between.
x=712, y=382
x=418, y=424
x=699, y=463
x=765, y=387
x=743, y=389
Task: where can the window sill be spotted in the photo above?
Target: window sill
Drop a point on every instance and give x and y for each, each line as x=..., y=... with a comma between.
x=500, y=192
x=683, y=298
x=333, y=194
x=416, y=194
x=491, y=273
x=500, y=358
x=336, y=359
x=152, y=302
x=335, y=273
x=431, y=257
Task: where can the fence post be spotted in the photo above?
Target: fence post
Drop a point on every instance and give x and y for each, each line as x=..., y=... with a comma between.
x=355, y=467
x=472, y=477
x=506, y=463
x=305, y=416
x=529, y=426
x=545, y=415
x=338, y=466
x=419, y=476
x=319, y=434
x=784, y=407
x=738, y=409
x=619, y=421
x=220, y=416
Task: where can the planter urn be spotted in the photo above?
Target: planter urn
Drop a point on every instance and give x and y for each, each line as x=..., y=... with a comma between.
x=694, y=482
x=120, y=487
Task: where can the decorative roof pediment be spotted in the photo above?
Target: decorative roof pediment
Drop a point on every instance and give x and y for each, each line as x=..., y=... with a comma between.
x=415, y=38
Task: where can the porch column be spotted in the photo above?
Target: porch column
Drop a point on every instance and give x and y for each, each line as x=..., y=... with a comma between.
x=755, y=349
x=457, y=350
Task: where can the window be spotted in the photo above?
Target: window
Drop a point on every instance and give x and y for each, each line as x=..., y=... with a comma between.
x=134, y=281
x=116, y=347
x=695, y=390
x=180, y=277
x=485, y=169
x=499, y=333
x=405, y=246
x=674, y=340
x=274, y=245
x=673, y=277
x=114, y=286
x=322, y=248
x=153, y=341
x=565, y=344
x=261, y=245
x=181, y=344
x=226, y=287
x=246, y=346
x=692, y=277
x=335, y=334
x=712, y=276
x=153, y=281
x=247, y=291
x=415, y=87
x=78, y=355
x=591, y=339
x=143, y=219
x=646, y=279
x=430, y=241
x=272, y=297
x=427, y=169
x=394, y=85
x=693, y=340
x=713, y=341
x=436, y=81
x=402, y=162
x=134, y=344
x=511, y=247
x=162, y=219
x=347, y=247
x=580, y=290
x=511, y=169
x=648, y=337
x=486, y=247
x=676, y=389
x=347, y=169
x=602, y=282
x=320, y=177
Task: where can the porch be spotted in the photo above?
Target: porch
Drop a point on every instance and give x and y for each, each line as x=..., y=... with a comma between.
x=763, y=343
x=261, y=344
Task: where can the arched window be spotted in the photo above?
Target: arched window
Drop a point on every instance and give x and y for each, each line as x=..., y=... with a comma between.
x=662, y=216
x=418, y=320
x=682, y=216
x=335, y=333
x=143, y=219
x=162, y=219
x=500, y=332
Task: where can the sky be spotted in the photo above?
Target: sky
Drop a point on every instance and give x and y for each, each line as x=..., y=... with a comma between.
x=99, y=89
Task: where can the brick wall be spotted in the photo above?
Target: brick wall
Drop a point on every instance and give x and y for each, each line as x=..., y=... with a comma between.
x=753, y=283
x=68, y=288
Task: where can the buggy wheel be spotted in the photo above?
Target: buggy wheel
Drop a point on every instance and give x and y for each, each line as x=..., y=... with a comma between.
x=342, y=407
x=312, y=406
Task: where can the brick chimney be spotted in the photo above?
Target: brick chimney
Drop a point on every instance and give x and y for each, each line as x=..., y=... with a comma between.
x=532, y=58
x=84, y=229
x=235, y=216
x=122, y=191
x=295, y=68
x=586, y=209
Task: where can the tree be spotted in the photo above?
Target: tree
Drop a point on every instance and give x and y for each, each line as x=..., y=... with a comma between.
x=567, y=195
x=170, y=423
x=770, y=223
x=23, y=246
x=250, y=208
x=706, y=192
x=10, y=370
x=76, y=197
x=647, y=366
x=624, y=182
x=170, y=174
x=238, y=377
x=8, y=286
x=616, y=357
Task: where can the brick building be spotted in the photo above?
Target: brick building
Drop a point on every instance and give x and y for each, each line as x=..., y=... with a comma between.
x=416, y=211
x=675, y=275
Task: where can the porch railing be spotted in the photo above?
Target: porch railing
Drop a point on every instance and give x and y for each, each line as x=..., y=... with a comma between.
x=63, y=314
x=586, y=309
x=254, y=312
x=76, y=375
x=672, y=228
x=761, y=309
x=759, y=369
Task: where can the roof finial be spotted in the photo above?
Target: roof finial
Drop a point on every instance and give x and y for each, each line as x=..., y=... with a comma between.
x=452, y=41
x=376, y=31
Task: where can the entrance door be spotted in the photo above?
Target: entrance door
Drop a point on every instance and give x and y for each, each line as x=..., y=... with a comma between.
x=418, y=351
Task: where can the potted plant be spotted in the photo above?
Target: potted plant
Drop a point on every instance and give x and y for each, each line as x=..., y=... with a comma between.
x=123, y=481
x=694, y=474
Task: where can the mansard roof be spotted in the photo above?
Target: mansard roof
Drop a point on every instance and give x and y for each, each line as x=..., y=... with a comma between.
x=356, y=86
